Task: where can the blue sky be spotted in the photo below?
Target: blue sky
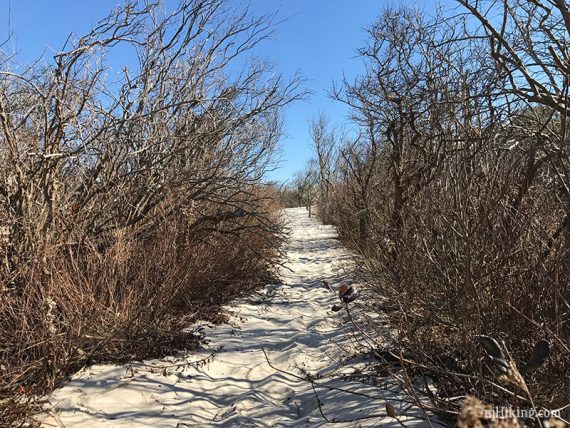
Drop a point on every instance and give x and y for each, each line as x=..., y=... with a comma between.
x=319, y=39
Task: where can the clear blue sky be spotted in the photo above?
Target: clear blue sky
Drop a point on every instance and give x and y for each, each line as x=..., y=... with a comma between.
x=319, y=39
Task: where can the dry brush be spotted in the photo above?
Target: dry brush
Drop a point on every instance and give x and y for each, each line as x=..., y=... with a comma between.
x=131, y=202
x=460, y=175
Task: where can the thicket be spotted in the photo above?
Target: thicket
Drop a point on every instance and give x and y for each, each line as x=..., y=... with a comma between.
x=456, y=190
x=302, y=190
x=131, y=201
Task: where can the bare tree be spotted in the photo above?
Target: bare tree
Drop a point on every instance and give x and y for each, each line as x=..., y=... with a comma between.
x=306, y=183
x=529, y=48
x=408, y=105
x=132, y=202
x=325, y=145
x=84, y=154
x=461, y=162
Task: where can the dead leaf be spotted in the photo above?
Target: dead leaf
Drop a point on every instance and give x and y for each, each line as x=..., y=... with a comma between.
x=391, y=411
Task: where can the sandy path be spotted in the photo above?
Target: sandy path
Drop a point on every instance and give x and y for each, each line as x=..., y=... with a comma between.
x=295, y=326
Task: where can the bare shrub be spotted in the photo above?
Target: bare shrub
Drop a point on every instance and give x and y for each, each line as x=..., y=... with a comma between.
x=131, y=203
x=461, y=171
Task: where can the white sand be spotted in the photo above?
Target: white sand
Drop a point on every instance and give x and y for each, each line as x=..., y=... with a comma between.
x=295, y=326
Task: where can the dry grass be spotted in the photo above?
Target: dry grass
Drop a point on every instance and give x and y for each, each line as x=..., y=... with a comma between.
x=129, y=299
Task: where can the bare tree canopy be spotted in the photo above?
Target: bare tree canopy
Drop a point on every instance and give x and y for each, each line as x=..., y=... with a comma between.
x=85, y=153
x=132, y=202
x=455, y=190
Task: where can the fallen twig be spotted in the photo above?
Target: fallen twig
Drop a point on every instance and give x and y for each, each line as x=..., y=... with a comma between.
x=315, y=383
x=168, y=366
